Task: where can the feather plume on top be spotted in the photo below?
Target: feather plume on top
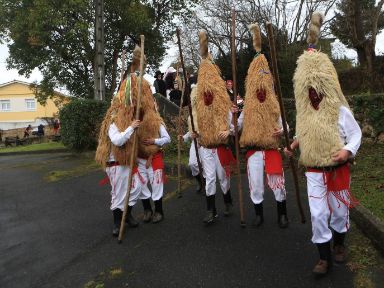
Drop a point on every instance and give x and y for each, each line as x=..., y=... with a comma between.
x=314, y=28
x=136, y=54
x=255, y=29
x=203, y=38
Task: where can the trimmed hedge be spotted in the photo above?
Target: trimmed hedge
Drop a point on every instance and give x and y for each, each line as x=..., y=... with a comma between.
x=80, y=122
x=367, y=109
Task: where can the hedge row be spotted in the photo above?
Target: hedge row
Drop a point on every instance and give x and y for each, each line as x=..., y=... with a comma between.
x=81, y=119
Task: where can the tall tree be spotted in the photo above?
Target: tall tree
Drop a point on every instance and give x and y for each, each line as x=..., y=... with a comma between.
x=57, y=37
x=356, y=24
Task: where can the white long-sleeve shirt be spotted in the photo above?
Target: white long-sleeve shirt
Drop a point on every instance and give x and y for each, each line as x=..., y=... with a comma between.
x=240, y=121
x=350, y=132
x=118, y=138
x=164, y=137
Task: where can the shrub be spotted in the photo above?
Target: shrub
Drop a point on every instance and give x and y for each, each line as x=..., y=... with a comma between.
x=80, y=121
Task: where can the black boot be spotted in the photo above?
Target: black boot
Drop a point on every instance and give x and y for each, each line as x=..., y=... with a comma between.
x=200, y=183
x=159, y=215
x=147, y=210
x=117, y=215
x=282, y=218
x=338, y=246
x=325, y=262
x=211, y=209
x=259, y=215
x=129, y=219
x=228, y=203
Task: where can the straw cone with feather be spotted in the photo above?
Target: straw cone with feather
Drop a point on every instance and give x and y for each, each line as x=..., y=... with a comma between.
x=316, y=77
x=327, y=135
x=213, y=103
x=261, y=108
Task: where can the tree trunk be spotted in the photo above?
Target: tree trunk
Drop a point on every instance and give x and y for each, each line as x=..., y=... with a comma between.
x=114, y=70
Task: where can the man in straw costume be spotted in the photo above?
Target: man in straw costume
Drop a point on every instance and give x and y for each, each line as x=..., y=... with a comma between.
x=261, y=127
x=152, y=137
x=189, y=136
x=328, y=137
x=115, y=147
x=213, y=119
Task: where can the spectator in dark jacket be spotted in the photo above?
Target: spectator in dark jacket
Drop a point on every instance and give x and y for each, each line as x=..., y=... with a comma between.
x=175, y=94
x=159, y=84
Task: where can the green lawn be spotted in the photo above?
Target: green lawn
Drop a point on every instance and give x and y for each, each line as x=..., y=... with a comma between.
x=368, y=178
x=34, y=147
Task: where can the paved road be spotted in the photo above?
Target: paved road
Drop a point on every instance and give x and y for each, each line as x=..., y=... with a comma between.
x=57, y=234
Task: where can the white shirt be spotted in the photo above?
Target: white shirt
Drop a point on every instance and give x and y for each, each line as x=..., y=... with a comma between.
x=164, y=137
x=120, y=138
x=350, y=132
x=240, y=121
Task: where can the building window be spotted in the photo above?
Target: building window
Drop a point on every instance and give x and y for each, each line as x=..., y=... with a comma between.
x=5, y=105
x=31, y=104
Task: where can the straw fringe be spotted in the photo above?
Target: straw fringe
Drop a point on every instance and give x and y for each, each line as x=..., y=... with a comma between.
x=256, y=36
x=314, y=28
x=260, y=119
x=213, y=118
x=317, y=130
x=194, y=111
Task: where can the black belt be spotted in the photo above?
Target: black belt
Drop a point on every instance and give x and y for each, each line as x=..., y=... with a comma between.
x=112, y=163
x=328, y=168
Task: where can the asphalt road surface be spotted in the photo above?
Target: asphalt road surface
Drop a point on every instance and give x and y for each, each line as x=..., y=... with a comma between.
x=58, y=234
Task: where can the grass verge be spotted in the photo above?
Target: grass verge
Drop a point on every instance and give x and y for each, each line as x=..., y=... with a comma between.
x=34, y=147
x=364, y=260
x=368, y=179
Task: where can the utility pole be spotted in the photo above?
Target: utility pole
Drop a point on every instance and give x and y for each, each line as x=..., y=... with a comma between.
x=99, y=70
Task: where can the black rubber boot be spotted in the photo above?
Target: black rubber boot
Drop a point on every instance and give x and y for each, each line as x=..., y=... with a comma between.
x=282, y=218
x=259, y=215
x=339, y=247
x=129, y=219
x=211, y=209
x=228, y=203
x=147, y=210
x=200, y=183
x=117, y=215
x=159, y=215
x=325, y=262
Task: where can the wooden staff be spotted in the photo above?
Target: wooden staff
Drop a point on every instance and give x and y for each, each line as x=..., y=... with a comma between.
x=234, y=119
x=134, y=146
x=122, y=65
x=179, y=131
x=186, y=92
x=283, y=118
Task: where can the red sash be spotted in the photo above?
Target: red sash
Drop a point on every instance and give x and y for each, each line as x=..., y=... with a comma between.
x=157, y=161
x=226, y=159
x=272, y=159
x=338, y=183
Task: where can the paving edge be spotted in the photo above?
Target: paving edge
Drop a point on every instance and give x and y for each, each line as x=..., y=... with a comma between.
x=370, y=224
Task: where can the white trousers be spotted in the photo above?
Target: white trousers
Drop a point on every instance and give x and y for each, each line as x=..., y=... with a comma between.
x=255, y=169
x=325, y=209
x=212, y=167
x=118, y=177
x=155, y=178
x=193, y=160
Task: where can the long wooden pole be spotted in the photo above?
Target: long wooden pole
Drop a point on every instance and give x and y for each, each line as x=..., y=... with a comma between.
x=283, y=118
x=179, y=131
x=135, y=144
x=234, y=119
x=187, y=93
